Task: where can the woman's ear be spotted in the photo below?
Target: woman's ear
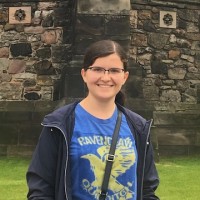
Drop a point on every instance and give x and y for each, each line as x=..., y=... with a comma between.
x=126, y=74
x=83, y=73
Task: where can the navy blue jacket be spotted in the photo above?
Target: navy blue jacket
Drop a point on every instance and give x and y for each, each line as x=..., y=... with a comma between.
x=48, y=176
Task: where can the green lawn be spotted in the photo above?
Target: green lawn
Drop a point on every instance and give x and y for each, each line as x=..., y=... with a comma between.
x=179, y=178
x=12, y=178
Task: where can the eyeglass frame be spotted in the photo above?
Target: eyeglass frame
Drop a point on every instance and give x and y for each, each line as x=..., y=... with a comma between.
x=102, y=70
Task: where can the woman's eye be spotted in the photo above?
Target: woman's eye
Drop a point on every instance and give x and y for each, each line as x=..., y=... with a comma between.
x=114, y=71
x=98, y=69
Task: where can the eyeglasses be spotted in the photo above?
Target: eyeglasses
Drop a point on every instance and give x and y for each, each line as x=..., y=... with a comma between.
x=101, y=70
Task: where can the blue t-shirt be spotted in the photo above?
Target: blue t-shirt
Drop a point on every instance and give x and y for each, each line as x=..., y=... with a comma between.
x=89, y=147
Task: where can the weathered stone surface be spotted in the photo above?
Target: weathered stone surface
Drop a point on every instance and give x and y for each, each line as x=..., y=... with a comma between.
x=47, y=21
x=172, y=38
x=157, y=54
x=187, y=15
x=183, y=85
x=142, y=50
x=46, y=93
x=3, y=15
x=197, y=59
x=158, y=67
x=176, y=73
x=149, y=26
x=32, y=96
x=193, y=36
x=176, y=136
x=145, y=59
x=134, y=87
x=36, y=20
x=190, y=95
x=21, y=49
x=74, y=86
x=139, y=39
x=9, y=27
x=157, y=43
x=49, y=37
x=61, y=16
x=181, y=119
x=182, y=43
x=144, y=14
x=19, y=27
x=151, y=92
x=168, y=82
x=193, y=69
x=133, y=18
x=10, y=91
x=16, y=66
x=44, y=80
x=25, y=151
x=188, y=58
x=170, y=96
x=44, y=53
x=34, y=29
x=29, y=83
x=44, y=67
x=4, y=52
x=61, y=53
x=10, y=36
x=117, y=25
x=174, y=54
x=198, y=94
x=8, y=134
x=196, y=45
x=29, y=89
x=192, y=28
x=105, y=7
x=90, y=25
x=4, y=77
x=23, y=76
x=4, y=63
x=192, y=76
x=46, y=5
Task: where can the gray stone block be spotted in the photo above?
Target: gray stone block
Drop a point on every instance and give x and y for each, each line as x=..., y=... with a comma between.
x=21, y=49
x=8, y=133
x=183, y=119
x=117, y=25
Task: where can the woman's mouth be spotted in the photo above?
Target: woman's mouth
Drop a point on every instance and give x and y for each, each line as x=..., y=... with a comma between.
x=104, y=86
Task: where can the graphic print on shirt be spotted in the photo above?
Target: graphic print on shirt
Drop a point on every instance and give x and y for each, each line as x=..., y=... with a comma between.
x=89, y=148
x=124, y=160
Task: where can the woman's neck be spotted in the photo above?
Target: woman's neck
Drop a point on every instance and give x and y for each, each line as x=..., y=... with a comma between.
x=99, y=109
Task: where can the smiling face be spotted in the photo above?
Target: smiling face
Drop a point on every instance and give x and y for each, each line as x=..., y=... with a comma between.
x=105, y=86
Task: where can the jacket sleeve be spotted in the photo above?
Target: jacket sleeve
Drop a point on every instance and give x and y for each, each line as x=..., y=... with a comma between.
x=151, y=179
x=42, y=170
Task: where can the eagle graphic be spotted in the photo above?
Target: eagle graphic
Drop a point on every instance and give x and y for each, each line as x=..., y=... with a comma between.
x=124, y=159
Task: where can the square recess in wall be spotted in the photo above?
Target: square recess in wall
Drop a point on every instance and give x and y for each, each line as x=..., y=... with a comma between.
x=167, y=19
x=19, y=15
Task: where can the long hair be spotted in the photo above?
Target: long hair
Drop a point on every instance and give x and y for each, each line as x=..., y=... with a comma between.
x=104, y=48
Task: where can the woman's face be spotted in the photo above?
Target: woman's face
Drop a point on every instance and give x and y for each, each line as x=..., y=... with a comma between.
x=104, y=85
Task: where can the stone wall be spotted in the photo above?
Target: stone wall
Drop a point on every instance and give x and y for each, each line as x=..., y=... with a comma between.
x=33, y=55
x=167, y=59
x=40, y=64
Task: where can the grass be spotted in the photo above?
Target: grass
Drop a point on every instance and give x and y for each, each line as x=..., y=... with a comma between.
x=179, y=178
x=12, y=178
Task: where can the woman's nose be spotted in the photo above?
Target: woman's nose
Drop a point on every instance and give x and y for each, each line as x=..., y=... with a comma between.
x=105, y=75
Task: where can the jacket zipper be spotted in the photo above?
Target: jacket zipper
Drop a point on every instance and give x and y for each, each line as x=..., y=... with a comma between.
x=53, y=126
x=146, y=142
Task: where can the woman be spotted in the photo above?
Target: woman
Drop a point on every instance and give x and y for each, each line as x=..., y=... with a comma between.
x=69, y=160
